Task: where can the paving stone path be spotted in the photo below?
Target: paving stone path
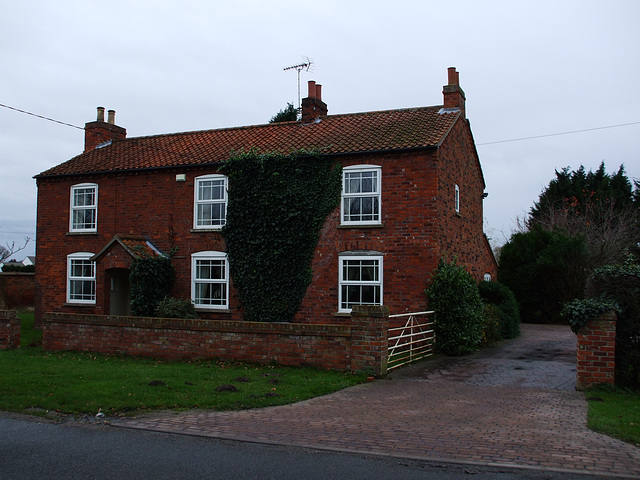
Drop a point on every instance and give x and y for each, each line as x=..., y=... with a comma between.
x=512, y=406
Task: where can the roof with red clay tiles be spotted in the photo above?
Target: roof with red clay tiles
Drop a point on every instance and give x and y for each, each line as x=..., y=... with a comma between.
x=134, y=245
x=410, y=128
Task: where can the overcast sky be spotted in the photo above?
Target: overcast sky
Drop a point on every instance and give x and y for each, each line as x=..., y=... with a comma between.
x=528, y=68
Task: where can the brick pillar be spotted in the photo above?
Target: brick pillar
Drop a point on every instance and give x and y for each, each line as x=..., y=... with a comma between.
x=370, y=338
x=9, y=330
x=596, y=362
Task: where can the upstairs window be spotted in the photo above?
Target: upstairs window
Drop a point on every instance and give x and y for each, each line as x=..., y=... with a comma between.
x=361, y=185
x=84, y=208
x=456, y=198
x=360, y=281
x=210, y=209
x=210, y=280
x=81, y=278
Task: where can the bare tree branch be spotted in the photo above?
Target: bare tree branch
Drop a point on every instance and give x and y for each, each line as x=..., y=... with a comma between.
x=12, y=249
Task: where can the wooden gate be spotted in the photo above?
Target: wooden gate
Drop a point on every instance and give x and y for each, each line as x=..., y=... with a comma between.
x=412, y=342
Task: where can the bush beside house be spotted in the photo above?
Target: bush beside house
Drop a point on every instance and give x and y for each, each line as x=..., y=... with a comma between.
x=459, y=312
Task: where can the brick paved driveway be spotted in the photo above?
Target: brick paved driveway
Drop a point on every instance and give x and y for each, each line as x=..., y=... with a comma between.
x=514, y=405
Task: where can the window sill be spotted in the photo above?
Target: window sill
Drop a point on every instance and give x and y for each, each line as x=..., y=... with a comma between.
x=71, y=304
x=342, y=314
x=357, y=225
x=212, y=310
x=206, y=230
x=91, y=232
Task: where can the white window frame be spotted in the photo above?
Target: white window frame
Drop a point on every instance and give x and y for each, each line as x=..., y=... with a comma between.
x=456, y=198
x=72, y=278
x=74, y=208
x=213, y=202
x=375, y=195
x=214, y=256
x=342, y=282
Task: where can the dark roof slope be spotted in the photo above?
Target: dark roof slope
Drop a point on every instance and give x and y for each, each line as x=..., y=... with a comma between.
x=409, y=128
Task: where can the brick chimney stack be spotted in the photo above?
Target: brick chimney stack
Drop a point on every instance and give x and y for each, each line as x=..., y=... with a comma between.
x=313, y=107
x=453, y=94
x=98, y=132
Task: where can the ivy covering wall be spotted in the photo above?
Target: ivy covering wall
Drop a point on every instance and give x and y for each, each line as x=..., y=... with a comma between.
x=276, y=208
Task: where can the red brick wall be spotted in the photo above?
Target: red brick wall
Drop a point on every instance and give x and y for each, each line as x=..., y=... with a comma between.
x=17, y=289
x=419, y=225
x=596, y=357
x=460, y=235
x=9, y=330
x=357, y=347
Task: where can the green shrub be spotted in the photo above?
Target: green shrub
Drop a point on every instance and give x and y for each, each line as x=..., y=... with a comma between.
x=151, y=279
x=579, y=312
x=453, y=296
x=500, y=296
x=491, y=325
x=171, y=307
x=622, y=284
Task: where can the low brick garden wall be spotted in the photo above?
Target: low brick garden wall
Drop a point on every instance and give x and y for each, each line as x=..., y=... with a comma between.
x=17, y=289
x=9, y=330
x=596, y=357
x=361, y=345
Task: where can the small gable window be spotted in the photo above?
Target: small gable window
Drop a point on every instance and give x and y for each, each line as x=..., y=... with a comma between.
x=457, y=198
x=81, y=278
x=210, y=205
x=360, y=280
x=210, y=280
x=84, y=208
x=361, y=185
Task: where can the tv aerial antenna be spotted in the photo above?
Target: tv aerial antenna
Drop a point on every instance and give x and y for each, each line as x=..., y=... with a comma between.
x=306, y=65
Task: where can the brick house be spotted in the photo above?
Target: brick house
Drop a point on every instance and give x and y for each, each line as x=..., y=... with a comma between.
x=412, y=192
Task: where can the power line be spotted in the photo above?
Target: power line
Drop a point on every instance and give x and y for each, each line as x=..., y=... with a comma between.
x=183, y=155
x=557, y=134
x=41, y=116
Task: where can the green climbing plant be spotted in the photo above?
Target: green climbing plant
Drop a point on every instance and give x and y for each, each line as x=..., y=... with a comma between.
x=277, y=206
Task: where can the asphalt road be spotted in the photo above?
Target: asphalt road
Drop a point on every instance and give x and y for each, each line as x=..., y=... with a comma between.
x=34, y=449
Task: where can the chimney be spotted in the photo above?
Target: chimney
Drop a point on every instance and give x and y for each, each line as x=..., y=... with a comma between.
x=313, y=107
x=453, y=94
x=98, y=132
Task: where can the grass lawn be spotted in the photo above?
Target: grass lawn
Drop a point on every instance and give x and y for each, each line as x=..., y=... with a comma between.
x=615, y=412
x=32, y=380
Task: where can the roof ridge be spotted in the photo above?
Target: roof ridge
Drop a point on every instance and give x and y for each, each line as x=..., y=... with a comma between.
x=278, y=124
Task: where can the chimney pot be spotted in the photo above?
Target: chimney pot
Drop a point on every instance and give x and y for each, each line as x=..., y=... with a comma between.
x=454, y=78
x=100, y=114
x=112, y=117
x=312, y=89
x=312, y=106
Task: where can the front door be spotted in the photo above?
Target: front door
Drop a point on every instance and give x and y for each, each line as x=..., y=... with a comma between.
x=120, y=291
